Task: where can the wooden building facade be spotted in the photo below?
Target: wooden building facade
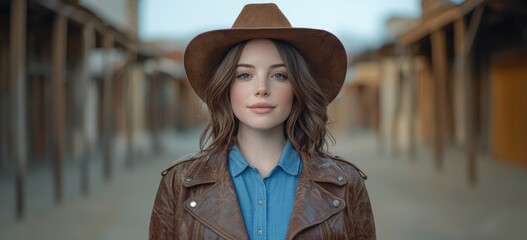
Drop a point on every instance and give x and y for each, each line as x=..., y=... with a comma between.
x=74, y=92
x=460, y=78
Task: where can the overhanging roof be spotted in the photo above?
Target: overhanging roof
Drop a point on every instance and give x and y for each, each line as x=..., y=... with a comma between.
x=438, y=21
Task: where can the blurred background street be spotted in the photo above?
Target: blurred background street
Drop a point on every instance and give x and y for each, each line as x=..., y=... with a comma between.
x=94, y=104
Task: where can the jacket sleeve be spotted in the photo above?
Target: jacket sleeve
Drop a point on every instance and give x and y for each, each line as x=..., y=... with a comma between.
x=162, y=221
x=363, y=224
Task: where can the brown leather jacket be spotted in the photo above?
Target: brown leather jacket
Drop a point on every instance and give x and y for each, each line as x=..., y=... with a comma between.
x=196, y=200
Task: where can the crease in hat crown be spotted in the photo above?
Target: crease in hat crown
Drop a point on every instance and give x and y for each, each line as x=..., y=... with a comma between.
x=327, y=62
x=266, y=15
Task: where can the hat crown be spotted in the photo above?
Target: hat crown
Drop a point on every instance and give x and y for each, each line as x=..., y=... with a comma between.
x=327, y=62
x=266, y=15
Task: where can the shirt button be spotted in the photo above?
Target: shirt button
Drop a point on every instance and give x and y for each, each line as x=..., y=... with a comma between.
x=336, y=203
x=259, y=231
x=188, y=178
x=260, y=202
x=340, y=178
x=193, y=204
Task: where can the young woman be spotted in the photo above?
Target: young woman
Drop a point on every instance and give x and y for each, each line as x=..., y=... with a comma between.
x=263, y=172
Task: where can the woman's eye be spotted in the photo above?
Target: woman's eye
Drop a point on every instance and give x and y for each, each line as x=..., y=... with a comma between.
x=279, y=76
x=243, y=76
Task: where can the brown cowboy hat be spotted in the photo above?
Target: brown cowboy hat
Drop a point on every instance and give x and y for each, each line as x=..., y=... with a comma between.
x=322, y=50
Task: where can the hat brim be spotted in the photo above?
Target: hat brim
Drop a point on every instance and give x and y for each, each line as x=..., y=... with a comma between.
x=322, y=50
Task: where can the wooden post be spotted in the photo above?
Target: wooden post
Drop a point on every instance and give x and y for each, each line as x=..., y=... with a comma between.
x=58, y=62
x=128, y=106
x=87, y=43
x=5, y=144
x=352, y=107
x=439, y=63
x=426, y=96
x=399, y=84
x=108, y=44
x=17, y=85
x=459, y=77
x=413, y=102
x=466, y=43
x=462, y=75
x=374, y=111
x=157, y=111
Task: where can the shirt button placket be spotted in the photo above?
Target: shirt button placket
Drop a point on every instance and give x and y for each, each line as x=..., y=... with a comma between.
x=261, y=211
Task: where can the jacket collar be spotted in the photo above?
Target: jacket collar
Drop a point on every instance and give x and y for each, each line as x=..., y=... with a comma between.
x=289, y=160
x=219, y=204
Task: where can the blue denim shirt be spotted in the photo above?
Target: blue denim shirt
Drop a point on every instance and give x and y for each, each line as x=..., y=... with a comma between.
x=266, y=203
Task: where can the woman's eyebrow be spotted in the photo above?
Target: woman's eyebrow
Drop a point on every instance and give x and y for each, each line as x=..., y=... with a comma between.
x=277, y=65
x=245, y=65
x=252, y=66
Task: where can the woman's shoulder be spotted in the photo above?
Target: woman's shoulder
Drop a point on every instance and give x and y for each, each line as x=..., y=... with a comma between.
x=349, y=167
x=181, y=163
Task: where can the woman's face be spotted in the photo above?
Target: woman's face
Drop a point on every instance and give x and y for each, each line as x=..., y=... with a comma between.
x=261, y=94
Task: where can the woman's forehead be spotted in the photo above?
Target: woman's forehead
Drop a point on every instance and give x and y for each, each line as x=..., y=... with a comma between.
x=260, y=51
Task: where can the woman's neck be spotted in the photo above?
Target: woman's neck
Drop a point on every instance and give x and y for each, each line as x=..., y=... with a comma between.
x=261, y=149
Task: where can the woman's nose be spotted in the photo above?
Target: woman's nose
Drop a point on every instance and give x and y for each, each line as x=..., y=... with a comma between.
x=262, y=88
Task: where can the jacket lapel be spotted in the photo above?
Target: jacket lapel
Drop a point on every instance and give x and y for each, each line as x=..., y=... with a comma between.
x=217, y=207
x=313, y=204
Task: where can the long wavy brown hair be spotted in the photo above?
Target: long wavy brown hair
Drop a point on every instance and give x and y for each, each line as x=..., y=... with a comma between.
x=306, y=126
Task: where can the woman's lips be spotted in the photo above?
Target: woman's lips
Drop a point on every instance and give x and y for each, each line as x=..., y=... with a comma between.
x=261, y=108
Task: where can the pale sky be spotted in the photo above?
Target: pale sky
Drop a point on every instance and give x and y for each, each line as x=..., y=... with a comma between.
x=350, y=20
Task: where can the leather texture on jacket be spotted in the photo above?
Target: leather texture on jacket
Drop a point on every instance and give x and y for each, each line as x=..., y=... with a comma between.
x=196, y=199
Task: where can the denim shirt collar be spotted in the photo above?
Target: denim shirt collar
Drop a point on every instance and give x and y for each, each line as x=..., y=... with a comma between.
x=289, y=160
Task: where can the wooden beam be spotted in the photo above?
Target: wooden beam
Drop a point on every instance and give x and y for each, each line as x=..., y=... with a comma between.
x=473, y=29
x=81, y=15
x=58, y=63
x=17, y=76
x=439, y=62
